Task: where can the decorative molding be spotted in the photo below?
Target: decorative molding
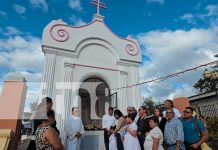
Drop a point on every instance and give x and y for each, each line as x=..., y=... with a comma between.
x=58, y=33
x=124, y=72
x=96, y=67
x=59, y=52
x=61, y=35
x=130, y=63
x=69, y=65
x=131, y=50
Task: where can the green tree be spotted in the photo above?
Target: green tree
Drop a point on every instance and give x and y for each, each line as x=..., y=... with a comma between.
x=33, y=106
x=149, y=103
x=205, y=85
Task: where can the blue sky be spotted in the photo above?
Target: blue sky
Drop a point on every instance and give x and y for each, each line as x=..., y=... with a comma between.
x=173, y=34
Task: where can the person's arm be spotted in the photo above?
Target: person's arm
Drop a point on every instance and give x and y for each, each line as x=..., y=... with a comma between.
x=180, y=134
x=52, y=138
x=82, y=128
x=155, y=133
x=177, y=113
x=155, y=143
x=204, y=135
x=70, y=132
x=104, y=122
x=133, y=132
x=119, y=124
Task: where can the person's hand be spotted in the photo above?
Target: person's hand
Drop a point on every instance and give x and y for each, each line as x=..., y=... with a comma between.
x=78, y=135
x=112, y=131
x=127, y=128
x=139, y=133
x=177, y=148
x=108, y=131
x=195, y=146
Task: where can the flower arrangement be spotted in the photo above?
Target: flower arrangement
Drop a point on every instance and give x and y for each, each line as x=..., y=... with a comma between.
x=91, y=127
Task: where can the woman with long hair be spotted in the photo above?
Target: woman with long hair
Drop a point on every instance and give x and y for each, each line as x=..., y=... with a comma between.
x=46, y=136
x=119, y=127
x=162, y=120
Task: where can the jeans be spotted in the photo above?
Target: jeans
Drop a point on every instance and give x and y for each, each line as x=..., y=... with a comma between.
x=173, y=147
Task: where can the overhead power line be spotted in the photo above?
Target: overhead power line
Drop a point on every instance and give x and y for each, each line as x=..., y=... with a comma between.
x=52, y=14
x=160, y=79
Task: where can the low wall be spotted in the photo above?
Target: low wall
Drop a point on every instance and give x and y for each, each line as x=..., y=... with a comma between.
x=93, y=140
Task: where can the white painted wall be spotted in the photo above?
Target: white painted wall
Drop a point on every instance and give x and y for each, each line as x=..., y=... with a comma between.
x=74, y=54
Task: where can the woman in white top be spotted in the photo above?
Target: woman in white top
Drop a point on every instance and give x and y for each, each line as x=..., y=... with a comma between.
x=154, y=139
x=130, y=140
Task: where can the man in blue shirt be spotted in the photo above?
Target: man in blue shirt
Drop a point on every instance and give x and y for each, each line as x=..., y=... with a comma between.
x=173, y=133
x=194, y=130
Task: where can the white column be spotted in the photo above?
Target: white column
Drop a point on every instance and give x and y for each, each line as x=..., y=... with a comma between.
x=64, y=100
x=122, y=93
x=136, y=95
x=48, y=75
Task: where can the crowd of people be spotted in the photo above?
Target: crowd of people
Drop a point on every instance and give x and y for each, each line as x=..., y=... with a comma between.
x=141, y=130
x=136, y=130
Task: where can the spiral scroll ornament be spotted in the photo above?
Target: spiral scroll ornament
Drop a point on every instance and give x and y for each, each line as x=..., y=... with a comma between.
x=58, y=33
x=131, y=50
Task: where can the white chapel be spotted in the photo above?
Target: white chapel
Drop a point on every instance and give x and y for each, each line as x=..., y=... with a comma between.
x=89, y=67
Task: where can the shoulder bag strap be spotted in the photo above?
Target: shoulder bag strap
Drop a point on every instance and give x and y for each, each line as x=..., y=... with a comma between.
x=197, y=126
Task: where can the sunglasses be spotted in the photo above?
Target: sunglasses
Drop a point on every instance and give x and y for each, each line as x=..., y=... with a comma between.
x=169, y=112
x=186, y=112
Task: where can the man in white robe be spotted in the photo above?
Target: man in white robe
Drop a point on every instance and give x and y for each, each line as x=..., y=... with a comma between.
x=74, y=128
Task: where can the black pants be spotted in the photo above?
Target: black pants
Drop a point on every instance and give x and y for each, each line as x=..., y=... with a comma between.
x=119, y=142
x=141, y=139
x=32, y=145
x=106, y=140
x=188, y=147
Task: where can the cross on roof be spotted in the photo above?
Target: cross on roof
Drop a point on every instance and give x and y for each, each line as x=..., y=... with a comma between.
x=99, y=5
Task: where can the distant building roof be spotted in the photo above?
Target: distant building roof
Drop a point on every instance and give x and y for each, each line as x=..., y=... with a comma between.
x=200, y=96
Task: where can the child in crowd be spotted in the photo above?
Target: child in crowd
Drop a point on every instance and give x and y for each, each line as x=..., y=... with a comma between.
x=112, y=139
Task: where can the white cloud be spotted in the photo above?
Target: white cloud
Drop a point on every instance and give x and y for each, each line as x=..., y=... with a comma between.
x=189, y=18
x=210, y=16
x=3, y=14
x=19, y=9
x=30, y=77
x=39, y=4
x=22, y=54
x=173, y=51
x=212, y=10
x=75, y=4
x=77, y=21
x=156, y=1
x=8, y=31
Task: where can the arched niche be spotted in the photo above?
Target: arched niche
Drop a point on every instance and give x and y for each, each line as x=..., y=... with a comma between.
x=95, y=100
